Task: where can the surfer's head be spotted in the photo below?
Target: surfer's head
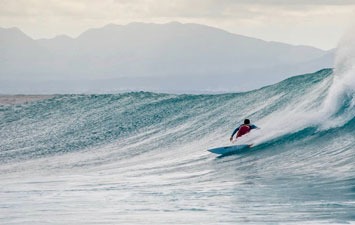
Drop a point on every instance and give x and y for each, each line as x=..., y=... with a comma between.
x=246, y=121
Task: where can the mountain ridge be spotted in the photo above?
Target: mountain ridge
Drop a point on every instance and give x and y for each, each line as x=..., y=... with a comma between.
x=140, y=50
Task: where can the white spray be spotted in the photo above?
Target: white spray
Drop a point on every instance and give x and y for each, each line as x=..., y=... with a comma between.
x=302, y=113
x=343, y=86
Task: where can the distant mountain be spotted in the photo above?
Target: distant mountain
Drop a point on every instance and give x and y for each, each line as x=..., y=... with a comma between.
x=171, y=57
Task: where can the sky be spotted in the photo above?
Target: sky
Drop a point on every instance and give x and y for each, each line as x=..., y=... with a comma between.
x=318, y=23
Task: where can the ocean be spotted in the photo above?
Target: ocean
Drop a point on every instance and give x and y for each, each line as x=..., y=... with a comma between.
x=141, y=157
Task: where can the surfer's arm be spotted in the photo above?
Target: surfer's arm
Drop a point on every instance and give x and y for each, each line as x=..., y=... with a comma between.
x=234, y=132
x=253, y=127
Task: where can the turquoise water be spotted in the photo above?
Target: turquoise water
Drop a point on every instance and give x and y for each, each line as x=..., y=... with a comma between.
x=140, y=157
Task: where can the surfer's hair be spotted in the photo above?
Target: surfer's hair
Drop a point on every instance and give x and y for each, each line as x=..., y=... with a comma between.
x=246, y=121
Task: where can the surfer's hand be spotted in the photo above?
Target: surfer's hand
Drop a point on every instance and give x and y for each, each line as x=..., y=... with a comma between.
x=231, y=139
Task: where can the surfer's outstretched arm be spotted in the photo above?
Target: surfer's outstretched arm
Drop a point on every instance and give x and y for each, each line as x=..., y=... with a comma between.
x=234, y=132
x=253, y=127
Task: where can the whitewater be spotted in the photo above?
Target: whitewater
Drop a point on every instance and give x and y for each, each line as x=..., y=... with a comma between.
x=140, y=157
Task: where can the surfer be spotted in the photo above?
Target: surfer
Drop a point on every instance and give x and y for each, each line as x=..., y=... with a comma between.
x=243, y=129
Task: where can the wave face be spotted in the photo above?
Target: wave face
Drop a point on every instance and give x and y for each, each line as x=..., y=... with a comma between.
x=140, y=158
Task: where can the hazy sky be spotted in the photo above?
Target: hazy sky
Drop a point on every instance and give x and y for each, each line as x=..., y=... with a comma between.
x=319, y=23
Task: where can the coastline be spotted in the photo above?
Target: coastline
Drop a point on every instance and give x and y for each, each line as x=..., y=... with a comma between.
x=21, y=99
